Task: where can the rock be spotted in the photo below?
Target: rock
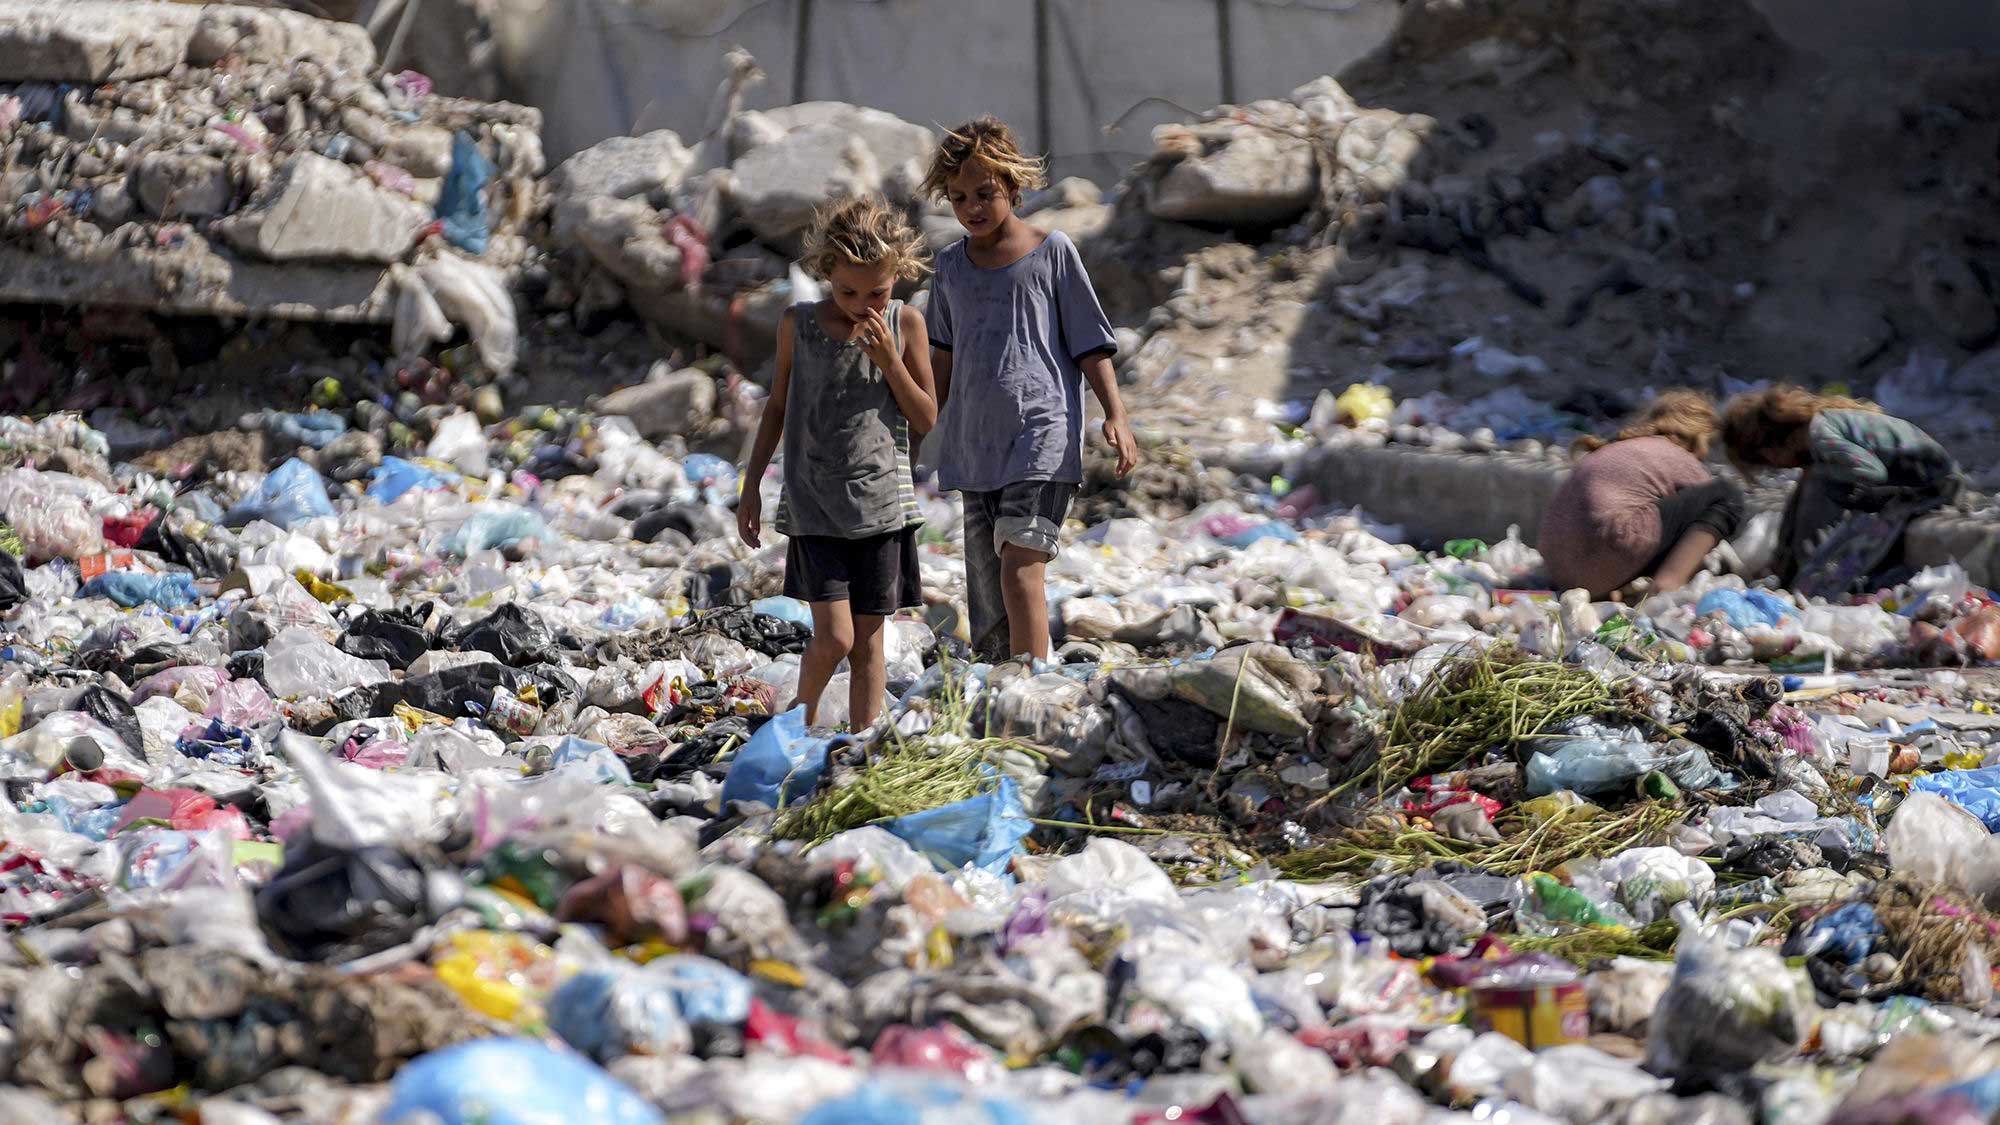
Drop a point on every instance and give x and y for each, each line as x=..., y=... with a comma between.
x=1947, y=289
x=668, y=403
x=1593, y=200
x=776, y=187
x=113, y=204
x=183, y=185
x=624, y=236
x=1257, y=178
x=621, y=168
x=1070, y=191
x=316, y=208
x=92, y=40
x=275, y=35
x=901, y=150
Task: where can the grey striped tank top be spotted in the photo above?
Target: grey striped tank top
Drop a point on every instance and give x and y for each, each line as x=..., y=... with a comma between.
x=847, y=444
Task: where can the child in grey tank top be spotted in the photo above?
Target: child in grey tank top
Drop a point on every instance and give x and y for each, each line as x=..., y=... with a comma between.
x=851, y=395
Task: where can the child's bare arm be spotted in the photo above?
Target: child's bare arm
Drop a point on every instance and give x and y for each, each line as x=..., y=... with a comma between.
x=750, y=505
x=911, y=381
x=1117, y=427
x=941, y=374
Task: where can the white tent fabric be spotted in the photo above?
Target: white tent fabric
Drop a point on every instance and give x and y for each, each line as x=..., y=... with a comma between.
x=600, y=68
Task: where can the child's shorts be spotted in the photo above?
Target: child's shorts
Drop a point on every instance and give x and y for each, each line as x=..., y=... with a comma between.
x=875, y=576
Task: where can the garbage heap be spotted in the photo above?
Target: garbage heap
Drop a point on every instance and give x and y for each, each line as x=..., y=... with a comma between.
x=233, y=160
x=464, y=788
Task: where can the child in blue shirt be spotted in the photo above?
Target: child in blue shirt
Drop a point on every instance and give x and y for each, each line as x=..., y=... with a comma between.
x=1015, y=332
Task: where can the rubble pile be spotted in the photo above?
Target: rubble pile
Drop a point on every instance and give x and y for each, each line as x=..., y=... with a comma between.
x=246, y=160
x=462, y=778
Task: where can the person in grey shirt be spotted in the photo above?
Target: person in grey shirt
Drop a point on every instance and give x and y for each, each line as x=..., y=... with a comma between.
x=1015, y=331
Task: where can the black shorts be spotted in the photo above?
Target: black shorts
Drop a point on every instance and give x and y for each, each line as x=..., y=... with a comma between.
x=876, y=576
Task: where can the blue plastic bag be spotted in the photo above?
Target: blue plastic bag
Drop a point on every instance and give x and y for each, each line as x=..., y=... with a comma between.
x=1273, y=529
x=985, y=831
x=784, y=609
x=494, y=531
x=130, y=589
x=462, y=202
x=316, y=431
x=710, y=993
x=293, y=493
x=912, y=1100
x=617, y=1011
x=1745, y=609
x=1975, y=791
x=778, y=765
x=512, y=1082
x=1848, y=933
x=1592, y=761
x=388, y=481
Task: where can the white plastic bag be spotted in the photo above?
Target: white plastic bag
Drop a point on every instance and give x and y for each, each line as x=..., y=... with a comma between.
x=461, y=443
x=476, y=296
x=297, y=663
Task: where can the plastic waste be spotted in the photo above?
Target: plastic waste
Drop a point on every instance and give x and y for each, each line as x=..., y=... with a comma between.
x=1594, y=760
x=461, y=443
x=130, y=589
x=510, y=1082
x=293, y=493
x=984, y=831
x=395, y=477
x=779, y=765
x=298, y=663
x=1727, y=1008
x=461, y=203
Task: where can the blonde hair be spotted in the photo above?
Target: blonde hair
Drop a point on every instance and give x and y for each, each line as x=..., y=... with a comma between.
x=1757, y=423
x=984, y=142
x=862, y=231
x=1686, y=418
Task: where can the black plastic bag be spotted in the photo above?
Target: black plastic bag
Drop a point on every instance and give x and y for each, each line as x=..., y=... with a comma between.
x=330, y=904
x=13, y=582
x=114, y=711
x=698, y=522
x=515, y=635
x=448, y=691
x=182, y=549
x=386, y=636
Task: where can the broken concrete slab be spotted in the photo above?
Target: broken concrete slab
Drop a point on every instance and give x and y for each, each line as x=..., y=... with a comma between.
x=183, y=185
x=196, y=281
x=775, y=188
x=276, y=35
x=902, y=149
x=92, y=40
x=320, y=209
x=1258, y=177
x=667, y=404
x=617, y=168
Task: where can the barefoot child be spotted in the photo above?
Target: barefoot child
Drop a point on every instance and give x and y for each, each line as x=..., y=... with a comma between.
x=853, y=382
x=1015, y=332
x=1866, y=476
x=1642, y=506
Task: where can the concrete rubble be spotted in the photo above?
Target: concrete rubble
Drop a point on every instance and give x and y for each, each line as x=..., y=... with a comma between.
x=394, y=730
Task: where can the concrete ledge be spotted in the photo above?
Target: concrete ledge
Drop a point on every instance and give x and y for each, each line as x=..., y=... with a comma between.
x=1440, y=496
x=198, y=282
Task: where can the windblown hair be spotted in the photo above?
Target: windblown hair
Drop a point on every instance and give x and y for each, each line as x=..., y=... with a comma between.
x=984, y=142
x=1759, y=423
x=1687, y=418
x=863, y=231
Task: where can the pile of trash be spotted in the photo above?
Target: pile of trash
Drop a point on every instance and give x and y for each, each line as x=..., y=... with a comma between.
x=459, y=784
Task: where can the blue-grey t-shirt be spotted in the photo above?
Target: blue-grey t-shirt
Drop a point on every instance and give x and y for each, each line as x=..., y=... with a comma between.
x=1015, y=335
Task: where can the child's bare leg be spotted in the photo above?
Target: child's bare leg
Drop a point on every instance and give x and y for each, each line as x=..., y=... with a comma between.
x=1023, y=575
x=833, y=638
x=867, y=671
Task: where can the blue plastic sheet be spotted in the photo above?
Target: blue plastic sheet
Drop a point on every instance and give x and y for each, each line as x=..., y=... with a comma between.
x=985, y=831
x=388, y=481
x=613, y=1012
x=1274, y=529
x=130, y=589
x=462, y=202
x=1745, y=608
x=778, y=765
x=1975, y=791
x=293, y=493
x=910, y=1100
x=512, y=1082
